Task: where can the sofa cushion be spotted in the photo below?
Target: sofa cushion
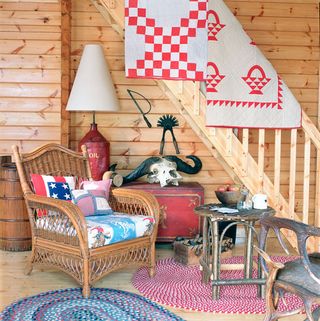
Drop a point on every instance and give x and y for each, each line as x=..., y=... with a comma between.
x=117, y=227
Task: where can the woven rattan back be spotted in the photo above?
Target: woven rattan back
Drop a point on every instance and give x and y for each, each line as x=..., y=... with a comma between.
x=51, y=159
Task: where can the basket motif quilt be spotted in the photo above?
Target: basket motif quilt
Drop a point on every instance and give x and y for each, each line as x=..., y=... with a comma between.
x=242, y=88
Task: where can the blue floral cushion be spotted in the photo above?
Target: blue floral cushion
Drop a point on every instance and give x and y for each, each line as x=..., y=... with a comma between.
x=117, y=227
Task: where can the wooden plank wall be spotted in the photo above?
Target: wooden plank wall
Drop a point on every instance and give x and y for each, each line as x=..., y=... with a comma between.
x=30, y=53
x=286, y=31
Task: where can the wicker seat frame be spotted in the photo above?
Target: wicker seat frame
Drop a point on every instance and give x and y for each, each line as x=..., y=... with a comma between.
x=67, y=249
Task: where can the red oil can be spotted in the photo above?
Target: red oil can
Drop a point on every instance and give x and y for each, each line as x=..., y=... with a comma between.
x=99, y=151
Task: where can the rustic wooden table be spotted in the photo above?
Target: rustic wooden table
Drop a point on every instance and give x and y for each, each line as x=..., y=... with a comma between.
x=212, y=244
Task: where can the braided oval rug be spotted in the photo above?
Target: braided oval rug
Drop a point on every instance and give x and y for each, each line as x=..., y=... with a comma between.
x=103, y=305
x=180, y=286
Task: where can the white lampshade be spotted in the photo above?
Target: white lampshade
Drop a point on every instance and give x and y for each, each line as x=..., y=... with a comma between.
x=93, y=88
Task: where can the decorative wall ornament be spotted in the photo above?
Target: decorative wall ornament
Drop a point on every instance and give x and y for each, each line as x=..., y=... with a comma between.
x=131, y=92
x=163, y=170
x=167, y=122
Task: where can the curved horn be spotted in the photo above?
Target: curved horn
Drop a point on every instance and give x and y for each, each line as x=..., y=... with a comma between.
x=182, y=166
x=112, y=167
x=141, y=170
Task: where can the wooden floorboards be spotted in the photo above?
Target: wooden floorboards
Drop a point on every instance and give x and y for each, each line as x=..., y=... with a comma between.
x=14, y=284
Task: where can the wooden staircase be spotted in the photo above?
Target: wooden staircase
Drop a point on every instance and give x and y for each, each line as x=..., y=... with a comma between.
x=235, y=152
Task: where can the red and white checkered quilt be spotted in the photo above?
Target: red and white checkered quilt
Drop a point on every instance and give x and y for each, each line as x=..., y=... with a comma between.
x=166, y=39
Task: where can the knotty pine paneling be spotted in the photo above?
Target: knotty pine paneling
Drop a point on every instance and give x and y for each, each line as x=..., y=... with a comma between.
x=30, y=85
x=30, y=133
x=10, y=89
x=32, y=76
x=31, y=18
x=30, y=61
x=279, y=9
x=27, y=4
x=137, y=134
x=28, y=119
x=37, y=104
x=287, y=32
x=24, y=145
x=285, y=37
x=119, y=120
x=277, y=23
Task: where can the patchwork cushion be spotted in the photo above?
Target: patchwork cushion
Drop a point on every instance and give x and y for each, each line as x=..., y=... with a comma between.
x=97, y=185
x=103, y=229
x=92, y=202
x=58, y=187
x=108, y=229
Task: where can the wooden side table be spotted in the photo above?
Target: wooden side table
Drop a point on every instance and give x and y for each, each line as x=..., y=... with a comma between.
x=177, y=203
x=212, y=244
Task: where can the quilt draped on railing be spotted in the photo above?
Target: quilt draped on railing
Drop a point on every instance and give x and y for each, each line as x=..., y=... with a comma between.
x=202, y=40
x=243, y=88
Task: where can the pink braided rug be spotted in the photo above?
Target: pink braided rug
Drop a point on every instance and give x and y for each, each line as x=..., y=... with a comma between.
x=180, y=286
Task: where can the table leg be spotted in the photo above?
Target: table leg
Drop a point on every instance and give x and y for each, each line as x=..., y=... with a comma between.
x=205, y=252
x=248, y=264
x=215, y=258
x=261, y=274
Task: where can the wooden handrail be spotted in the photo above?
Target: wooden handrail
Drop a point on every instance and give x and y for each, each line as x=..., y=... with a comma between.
x=309, y=127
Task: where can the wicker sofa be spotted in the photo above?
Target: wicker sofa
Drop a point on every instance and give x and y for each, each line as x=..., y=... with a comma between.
x=70, y=252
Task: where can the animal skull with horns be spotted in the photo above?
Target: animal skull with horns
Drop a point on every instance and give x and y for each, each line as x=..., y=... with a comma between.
x=163, y=170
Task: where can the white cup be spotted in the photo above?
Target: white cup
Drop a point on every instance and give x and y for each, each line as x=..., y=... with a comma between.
x=260, y=201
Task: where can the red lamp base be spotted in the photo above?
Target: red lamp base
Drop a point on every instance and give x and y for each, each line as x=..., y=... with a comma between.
x=99, y=151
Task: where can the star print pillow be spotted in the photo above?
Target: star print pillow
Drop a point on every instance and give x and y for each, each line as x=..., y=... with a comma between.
x=58, y=187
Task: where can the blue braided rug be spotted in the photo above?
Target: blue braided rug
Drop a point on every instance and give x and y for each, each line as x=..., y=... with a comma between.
x=103, y=304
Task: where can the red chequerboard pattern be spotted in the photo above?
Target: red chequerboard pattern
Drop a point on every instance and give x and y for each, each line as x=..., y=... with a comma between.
x=166, y=48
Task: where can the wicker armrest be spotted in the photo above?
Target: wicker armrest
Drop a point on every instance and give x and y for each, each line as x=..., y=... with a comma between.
x=134, y=202
x=68, y=212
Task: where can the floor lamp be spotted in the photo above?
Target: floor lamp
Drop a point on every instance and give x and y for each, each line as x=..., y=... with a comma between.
x=93, y=90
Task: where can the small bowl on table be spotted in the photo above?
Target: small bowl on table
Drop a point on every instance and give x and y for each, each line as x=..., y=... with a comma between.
x=230, y=197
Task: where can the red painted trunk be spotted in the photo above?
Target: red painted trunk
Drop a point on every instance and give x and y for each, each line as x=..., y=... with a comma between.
x=99, y=151
x=176, y=208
